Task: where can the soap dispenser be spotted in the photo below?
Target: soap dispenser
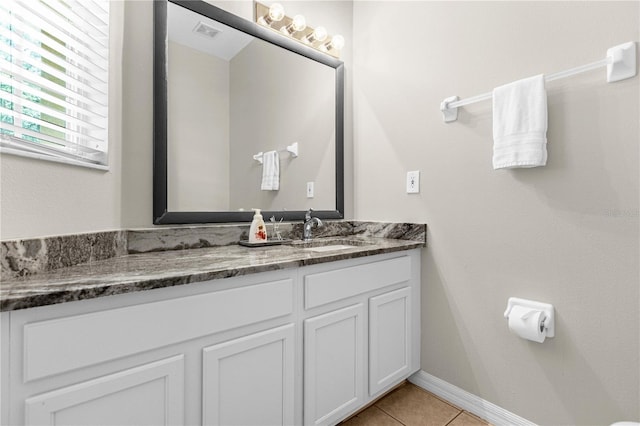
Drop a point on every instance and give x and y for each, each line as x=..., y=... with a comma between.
x=258, y=230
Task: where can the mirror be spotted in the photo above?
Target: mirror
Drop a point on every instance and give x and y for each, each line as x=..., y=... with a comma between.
x=227, y=93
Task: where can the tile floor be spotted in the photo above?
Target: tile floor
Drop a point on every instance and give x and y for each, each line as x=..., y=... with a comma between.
x=410, y=405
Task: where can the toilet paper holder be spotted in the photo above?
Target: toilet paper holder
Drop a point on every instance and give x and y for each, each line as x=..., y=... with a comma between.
x=546, y=308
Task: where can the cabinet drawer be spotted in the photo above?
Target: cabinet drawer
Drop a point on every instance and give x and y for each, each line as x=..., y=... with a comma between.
x=331, y=286
x=60, y=345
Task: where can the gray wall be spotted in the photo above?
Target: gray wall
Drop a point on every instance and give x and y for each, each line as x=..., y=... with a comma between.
x=278, y=98
x=566, y=233
x=223, y=112
x=198, y=131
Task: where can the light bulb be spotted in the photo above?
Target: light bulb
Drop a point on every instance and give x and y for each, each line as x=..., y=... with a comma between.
x=276, y=13
x=337, y=42
x=298, y=23
x=319, y=34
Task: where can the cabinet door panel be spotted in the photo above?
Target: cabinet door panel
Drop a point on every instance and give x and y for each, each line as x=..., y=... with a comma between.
x=389, y=338
x=152, y=394
x=333, y=364
x=250, y=380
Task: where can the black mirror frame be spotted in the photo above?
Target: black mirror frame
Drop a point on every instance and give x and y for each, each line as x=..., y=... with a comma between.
x=161, y=215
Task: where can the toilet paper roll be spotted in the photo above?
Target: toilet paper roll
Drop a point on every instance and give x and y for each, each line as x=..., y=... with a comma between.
x=527, y=323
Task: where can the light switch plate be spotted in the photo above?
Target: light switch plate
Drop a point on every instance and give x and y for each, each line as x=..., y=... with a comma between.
x=309, y=189
x=413, y=182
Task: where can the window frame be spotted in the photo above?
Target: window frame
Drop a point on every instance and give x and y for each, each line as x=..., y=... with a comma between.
x=21, y=146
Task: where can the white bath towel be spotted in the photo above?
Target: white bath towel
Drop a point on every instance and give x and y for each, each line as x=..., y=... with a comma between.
x=270, y=171
x=520, y=124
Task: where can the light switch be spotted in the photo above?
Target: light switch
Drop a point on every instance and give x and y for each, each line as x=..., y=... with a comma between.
x=413, y=182
x=309, y=189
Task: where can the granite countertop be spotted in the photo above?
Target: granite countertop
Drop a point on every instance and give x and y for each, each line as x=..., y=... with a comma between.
x=157, y=269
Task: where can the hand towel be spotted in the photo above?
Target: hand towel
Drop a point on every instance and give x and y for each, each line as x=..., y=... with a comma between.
x=520, y=124
x=270, y=171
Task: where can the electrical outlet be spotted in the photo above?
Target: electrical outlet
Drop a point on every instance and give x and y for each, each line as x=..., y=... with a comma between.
x=309, y=189
x=413, y=182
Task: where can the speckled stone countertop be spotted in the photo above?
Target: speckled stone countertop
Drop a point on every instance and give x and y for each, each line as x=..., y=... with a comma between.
x=162, y=265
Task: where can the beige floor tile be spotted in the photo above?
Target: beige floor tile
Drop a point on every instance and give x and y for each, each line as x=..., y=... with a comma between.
x=372, y=416
x=413, y=406
x=467, y=419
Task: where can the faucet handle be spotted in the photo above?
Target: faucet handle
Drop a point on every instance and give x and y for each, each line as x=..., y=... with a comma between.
x=307, y=215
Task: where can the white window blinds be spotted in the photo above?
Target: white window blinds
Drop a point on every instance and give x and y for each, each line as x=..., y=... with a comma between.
x=54, y=62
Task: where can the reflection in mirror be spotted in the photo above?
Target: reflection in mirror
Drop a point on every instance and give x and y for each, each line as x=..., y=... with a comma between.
x=231, y=95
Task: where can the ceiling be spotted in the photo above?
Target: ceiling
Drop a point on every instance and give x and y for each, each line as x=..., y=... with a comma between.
x=226, y=43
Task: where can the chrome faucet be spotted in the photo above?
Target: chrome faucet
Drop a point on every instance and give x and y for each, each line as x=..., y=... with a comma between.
x=308, y=224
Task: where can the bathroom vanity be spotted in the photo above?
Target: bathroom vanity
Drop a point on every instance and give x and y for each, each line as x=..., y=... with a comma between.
x=292, y=335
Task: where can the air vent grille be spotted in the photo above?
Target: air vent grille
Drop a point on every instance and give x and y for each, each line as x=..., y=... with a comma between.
x=206, y=30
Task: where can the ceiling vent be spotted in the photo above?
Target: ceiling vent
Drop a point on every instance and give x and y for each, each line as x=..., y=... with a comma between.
x=206, y=30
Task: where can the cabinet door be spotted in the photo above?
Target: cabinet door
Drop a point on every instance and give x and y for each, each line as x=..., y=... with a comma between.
x=333, y=365
x=152, y=394
x=389, y=339
x=250, y=380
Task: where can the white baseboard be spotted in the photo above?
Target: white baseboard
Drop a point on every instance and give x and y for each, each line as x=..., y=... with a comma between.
x=467, y=401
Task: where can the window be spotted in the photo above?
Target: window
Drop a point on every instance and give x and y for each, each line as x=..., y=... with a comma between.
x=54, y=62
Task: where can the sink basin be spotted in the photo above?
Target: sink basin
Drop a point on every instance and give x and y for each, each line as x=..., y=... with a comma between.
x=328, y=244
x=330, y=247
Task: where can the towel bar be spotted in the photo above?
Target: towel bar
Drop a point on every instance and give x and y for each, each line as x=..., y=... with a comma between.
x=620, y=63
x=291, y=149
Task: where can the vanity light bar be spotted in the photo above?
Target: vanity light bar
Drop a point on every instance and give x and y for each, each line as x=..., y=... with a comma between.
x=274, y=18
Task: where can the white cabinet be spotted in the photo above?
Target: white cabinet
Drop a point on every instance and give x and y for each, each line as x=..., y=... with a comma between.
x=186, y=355
x=250, y=380
x=308, y=345
x=333, y=365
x=361, y=333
